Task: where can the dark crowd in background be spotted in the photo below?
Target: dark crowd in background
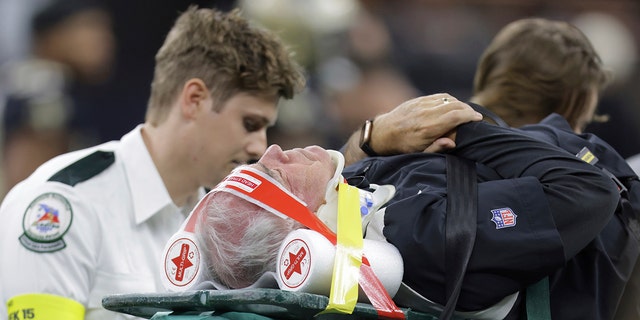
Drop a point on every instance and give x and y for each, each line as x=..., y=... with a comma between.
x=362, y=58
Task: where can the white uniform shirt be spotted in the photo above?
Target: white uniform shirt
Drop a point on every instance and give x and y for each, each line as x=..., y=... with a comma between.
x=105, y=235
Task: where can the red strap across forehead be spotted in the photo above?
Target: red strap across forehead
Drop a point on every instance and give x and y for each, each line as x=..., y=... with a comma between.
x=262, y=190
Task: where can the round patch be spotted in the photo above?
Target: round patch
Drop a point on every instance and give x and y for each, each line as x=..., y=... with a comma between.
x=47, y=218
x=182, y=261
x=294, y=264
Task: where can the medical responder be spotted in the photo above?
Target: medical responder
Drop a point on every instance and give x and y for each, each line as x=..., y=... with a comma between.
x=93, y=222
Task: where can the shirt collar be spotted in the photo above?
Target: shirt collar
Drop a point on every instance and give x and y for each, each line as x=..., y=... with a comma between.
x=557, y=121
x=148, y=192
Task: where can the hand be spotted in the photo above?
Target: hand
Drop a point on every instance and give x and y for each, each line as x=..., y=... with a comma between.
x=424, y=124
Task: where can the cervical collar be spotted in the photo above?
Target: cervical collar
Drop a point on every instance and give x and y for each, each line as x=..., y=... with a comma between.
x=369, y=201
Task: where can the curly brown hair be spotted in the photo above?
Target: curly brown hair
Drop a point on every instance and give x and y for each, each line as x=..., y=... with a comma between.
x=228, y=54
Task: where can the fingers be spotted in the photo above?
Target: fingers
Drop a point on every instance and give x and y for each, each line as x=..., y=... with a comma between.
x=446, y=107
x=419, y=124
x=444, y=98
x=441, y=145
x=432, y=101
x=457, y=113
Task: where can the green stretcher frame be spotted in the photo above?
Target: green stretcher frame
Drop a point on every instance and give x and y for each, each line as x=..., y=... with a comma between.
x=238, y=304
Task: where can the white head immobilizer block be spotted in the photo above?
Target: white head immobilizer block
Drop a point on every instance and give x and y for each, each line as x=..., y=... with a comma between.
x=306, y=261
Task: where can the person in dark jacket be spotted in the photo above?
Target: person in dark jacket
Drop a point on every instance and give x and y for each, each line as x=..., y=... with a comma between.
x=545, y=77
x=555, y=202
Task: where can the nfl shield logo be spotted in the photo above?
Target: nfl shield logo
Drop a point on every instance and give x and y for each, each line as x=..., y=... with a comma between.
x=503, y=218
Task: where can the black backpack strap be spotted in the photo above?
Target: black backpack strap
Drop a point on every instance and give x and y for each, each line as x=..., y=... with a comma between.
x=489, y=114
x=460, y=226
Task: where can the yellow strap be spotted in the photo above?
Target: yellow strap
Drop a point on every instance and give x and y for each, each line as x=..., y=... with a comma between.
x=346, y=268
x=41, y=306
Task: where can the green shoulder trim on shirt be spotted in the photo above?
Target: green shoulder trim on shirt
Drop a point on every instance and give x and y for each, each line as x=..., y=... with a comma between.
x=85, y=168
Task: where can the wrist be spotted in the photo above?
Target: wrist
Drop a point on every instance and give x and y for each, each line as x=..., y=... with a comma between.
x=366, y=134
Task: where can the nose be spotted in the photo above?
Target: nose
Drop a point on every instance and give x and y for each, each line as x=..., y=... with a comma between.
x=257, y=144
x=274, y=154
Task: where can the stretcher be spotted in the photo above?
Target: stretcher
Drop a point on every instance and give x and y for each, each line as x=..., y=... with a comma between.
x=240, y=304
x=270, y=303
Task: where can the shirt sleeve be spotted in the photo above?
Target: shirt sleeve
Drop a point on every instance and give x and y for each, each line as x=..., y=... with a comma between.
x=48, y=244
x=537, y=207
x=581, y=198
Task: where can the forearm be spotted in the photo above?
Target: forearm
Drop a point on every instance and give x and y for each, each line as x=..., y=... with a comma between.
x=513, y=154
x=580, y=196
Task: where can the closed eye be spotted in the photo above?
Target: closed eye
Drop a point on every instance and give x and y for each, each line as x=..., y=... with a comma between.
x=276, y=174
x=253, y=124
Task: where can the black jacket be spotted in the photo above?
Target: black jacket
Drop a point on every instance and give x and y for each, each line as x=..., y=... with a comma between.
x=591, y=284
x=560, y=205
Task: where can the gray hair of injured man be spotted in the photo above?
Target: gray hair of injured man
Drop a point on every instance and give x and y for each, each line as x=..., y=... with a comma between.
x=234, y=257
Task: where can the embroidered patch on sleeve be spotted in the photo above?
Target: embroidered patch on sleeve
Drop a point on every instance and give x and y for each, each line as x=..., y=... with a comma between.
x=45, y=222
x=503, y=218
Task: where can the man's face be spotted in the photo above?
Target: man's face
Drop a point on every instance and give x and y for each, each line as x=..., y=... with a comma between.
x=231, y=136
x=304, y=172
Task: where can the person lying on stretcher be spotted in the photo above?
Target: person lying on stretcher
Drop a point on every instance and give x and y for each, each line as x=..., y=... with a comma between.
x=537, y=207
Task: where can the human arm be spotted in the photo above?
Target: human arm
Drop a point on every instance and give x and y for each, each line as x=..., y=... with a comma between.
x=414, y=126
x=559, y=203
x=581, y=198
x=50, y=259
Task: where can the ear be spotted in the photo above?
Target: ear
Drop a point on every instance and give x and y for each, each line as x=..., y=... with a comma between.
x=194, y=97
